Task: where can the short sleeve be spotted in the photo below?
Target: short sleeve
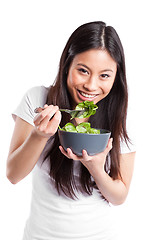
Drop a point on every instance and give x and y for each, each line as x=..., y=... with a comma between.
x=34, y=97
x=127, y=147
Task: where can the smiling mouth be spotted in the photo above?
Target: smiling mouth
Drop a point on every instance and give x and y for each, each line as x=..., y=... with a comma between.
x=86, y=95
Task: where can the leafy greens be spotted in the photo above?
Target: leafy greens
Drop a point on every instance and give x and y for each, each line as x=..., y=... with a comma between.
x=88, y=108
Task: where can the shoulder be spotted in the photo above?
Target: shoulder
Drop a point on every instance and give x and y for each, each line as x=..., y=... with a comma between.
x=37, y=95
x=127, y=147
x=37, y=91
x=33, y=98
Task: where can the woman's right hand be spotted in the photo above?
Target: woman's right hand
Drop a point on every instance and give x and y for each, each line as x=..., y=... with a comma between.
x=44, y=125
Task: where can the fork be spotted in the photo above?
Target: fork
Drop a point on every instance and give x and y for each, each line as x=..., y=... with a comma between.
x=74, y=113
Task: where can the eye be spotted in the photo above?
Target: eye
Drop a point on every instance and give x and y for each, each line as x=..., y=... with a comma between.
x=105, y=75
x=82, y=70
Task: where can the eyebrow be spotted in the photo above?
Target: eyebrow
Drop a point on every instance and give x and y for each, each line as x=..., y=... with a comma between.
x=105, y=70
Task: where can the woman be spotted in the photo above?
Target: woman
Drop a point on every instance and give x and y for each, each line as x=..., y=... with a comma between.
x=71, y=194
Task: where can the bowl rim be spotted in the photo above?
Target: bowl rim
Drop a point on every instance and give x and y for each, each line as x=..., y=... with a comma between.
x=89, y=134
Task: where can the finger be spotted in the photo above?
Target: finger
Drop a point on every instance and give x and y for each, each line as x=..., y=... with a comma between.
x=53, y=114
x=47, y=113
x=48, y=126
x=85, y=155
x=71, y=155
x=55, y=121
x=110, y=143
x=41, y=115
x=109, y=146
x=42, y=125
x=63, y=151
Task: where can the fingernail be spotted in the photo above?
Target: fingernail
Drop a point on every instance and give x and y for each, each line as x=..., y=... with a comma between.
x=68, y=150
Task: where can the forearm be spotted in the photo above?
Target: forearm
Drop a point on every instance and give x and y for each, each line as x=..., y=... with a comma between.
x=114, y=191
x=21, y=161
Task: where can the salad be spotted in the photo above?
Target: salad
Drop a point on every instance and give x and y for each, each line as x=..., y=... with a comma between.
x=88, y=108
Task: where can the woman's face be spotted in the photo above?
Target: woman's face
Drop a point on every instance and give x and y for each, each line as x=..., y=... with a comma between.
x=91, y=76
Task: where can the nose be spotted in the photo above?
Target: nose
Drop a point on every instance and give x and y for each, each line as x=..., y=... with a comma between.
x=91, y=84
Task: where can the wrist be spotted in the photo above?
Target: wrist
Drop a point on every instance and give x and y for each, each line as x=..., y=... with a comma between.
x=40, y=137
x=98, y=173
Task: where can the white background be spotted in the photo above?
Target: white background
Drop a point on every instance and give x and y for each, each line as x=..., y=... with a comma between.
x=33, y=35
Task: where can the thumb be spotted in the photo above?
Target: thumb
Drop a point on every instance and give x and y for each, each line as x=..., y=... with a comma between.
x=109, y=146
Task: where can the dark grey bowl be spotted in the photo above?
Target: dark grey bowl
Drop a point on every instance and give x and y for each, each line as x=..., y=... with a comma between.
x=92, y=143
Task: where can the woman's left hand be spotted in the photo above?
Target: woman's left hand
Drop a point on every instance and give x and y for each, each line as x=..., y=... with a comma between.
x=94, y=163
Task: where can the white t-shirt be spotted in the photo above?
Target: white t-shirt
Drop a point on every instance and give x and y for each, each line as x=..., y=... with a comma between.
x=54, y=216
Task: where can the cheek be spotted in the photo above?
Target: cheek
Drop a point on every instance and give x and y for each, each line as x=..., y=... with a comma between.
x=107, y=88
x=71, y=80
x=75, y=80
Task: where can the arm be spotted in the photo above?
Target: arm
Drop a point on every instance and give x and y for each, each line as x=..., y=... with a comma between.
x=115, y=191
x=28, y=142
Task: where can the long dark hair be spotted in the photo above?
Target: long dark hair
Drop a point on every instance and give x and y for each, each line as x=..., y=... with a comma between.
x=112, y=110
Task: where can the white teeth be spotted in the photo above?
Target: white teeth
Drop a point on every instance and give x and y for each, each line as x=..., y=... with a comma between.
x=87, y=95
